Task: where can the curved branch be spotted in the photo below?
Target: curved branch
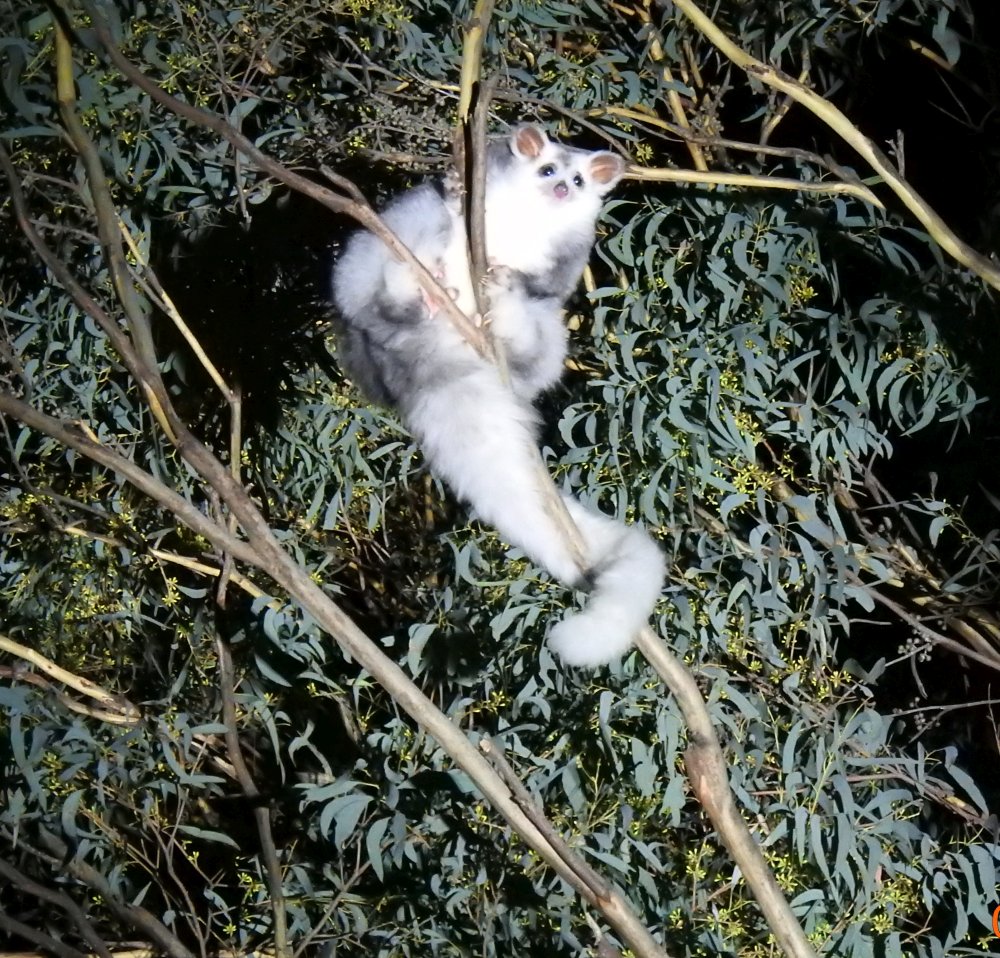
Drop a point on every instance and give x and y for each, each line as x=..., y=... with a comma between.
x=752, y=181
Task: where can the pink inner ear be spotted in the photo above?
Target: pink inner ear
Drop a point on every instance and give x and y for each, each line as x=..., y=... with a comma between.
x=530, y=141
x=606, y=167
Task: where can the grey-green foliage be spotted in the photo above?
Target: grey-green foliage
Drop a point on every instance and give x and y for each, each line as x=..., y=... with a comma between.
x=745, y=358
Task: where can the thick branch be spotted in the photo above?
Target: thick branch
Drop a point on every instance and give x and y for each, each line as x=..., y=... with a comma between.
x=706, y=769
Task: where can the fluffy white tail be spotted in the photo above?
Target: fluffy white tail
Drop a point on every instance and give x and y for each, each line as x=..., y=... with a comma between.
x=628, y=571
x=480, y=439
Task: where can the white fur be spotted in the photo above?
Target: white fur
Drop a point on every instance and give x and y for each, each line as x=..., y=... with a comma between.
x=480, y=438
x=477, y=433
x=629, y=578
x=366, y=266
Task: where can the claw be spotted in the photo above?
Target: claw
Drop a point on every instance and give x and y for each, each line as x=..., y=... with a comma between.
x=453, y=191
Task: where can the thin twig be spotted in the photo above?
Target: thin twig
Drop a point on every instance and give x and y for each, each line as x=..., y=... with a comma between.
x=262, y=815
x=105, y=211
x=752, y=181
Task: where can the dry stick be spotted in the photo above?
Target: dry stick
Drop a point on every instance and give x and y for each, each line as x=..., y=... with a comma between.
x=116, y=705
x=786, y=104
x=17, y=673
x=473, y=109
x=475, y=193
x=174, y=558
x=658, y=55
x=677, y=108
x=233, y=396
x=705, y=760
x=473, y=91
x=470, y=149
x=706, y=769
x=939, y=231
x=472, y=56
x=523, y=797
x=263, y=551
x=472, y=133
x=261, y=813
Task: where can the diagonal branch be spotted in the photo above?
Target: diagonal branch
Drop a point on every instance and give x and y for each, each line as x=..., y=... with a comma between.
x=265, y=552
x=120, y=709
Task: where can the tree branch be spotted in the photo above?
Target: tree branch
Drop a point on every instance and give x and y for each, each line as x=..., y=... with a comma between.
x=134, y=916
x=262, y=814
